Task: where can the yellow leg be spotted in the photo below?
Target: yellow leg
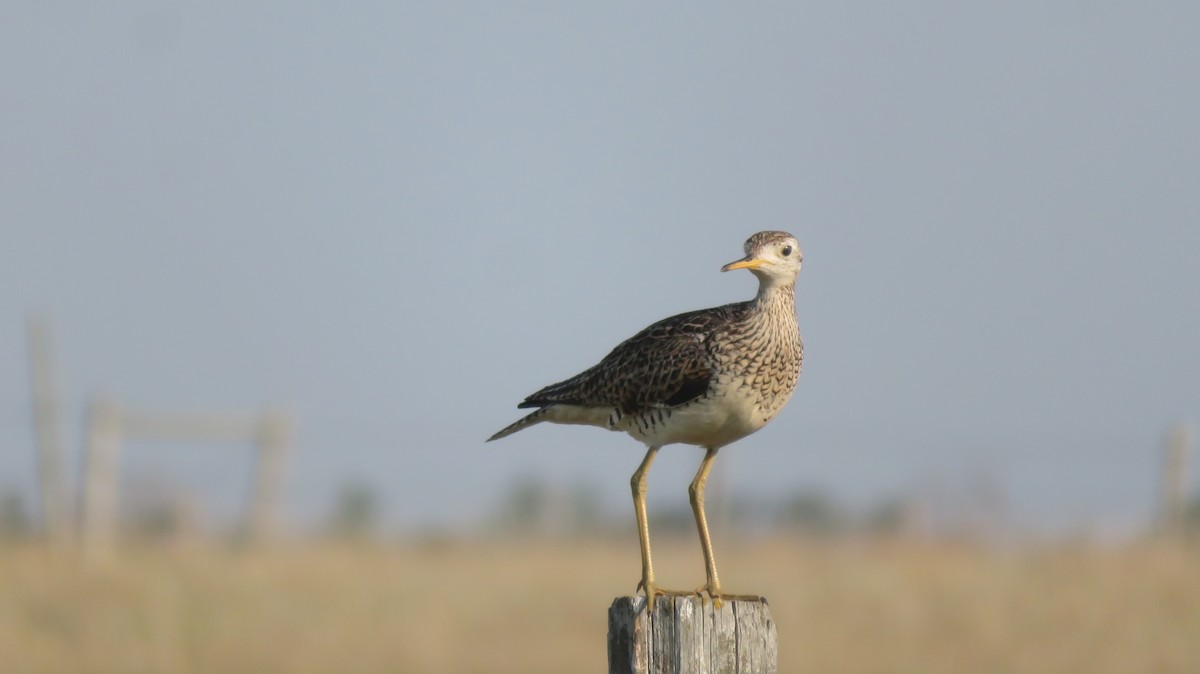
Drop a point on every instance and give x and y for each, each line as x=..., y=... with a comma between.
x=696, y=496
x=638, y=484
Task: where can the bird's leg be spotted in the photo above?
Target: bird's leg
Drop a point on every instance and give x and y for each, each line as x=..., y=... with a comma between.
x=696, y=496
x=638, y=484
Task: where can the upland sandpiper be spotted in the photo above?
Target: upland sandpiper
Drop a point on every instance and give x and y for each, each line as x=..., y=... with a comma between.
x=705, y=378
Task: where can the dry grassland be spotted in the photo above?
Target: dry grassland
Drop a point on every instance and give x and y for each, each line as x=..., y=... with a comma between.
x=538, y=606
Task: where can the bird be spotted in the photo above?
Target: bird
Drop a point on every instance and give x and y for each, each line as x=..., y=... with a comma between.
x=706, y=378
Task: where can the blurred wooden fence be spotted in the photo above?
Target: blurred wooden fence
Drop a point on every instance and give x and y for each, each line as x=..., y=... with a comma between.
x=109, y=426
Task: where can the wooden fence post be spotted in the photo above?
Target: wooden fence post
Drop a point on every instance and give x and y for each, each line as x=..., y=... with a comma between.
x=687, y=635
x=1175, y=481
x=274, y=438
x=101, y=457
x=55, y=504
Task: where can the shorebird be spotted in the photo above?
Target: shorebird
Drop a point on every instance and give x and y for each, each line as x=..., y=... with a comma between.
x=706, y=378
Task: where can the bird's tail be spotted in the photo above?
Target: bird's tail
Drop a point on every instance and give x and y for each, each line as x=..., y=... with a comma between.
x=524, y=422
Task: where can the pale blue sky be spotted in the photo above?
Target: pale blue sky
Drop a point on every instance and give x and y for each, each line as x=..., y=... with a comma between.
x=400, y=220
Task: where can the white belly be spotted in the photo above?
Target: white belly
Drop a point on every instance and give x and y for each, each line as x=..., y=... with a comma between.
x=710, y=422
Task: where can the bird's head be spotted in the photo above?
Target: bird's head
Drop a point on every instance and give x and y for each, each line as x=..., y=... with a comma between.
x=774, y=257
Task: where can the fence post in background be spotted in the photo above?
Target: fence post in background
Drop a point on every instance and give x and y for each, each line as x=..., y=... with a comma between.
x=109, y=426
x=688, y=635
x=102, y=454
x=274, y=438
x=56, y=509
x=1175, y=478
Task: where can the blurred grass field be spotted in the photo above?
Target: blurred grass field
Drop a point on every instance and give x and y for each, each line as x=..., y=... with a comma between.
x=540, y=606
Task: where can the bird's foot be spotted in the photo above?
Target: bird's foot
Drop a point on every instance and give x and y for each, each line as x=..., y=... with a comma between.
x=718, y=597
x=653, y=591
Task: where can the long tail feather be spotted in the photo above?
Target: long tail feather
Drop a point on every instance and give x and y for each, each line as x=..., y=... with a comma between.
x=520, y=424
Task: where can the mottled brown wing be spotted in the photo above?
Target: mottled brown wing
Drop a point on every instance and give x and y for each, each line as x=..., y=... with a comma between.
x=668, y=363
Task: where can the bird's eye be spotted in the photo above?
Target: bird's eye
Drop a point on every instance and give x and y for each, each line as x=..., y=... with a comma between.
x=787, y=250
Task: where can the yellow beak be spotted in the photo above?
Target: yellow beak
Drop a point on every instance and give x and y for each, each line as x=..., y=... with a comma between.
x=745, y=263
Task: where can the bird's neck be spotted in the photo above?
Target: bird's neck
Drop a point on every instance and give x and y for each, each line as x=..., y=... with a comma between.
x=771, y=295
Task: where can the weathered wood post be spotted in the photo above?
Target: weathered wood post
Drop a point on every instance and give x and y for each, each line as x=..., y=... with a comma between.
x=688, y=635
